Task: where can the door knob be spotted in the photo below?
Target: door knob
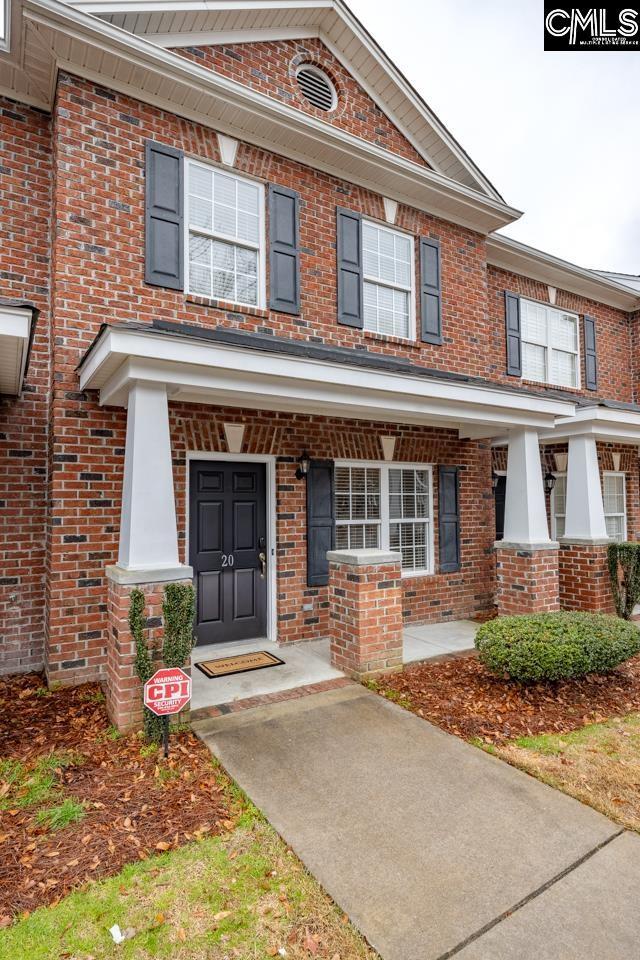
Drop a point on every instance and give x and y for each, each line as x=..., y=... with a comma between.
x=262, y=557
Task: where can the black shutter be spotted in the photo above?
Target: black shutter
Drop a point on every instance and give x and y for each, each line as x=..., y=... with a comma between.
x=430, y=296
x=513, y=334
x=590, y=355
x=449, y=518
x=349, y=267
x=284, y=237
x=320, y=521
x=164, y=241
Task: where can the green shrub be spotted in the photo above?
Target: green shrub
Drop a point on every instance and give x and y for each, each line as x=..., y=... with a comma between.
x=555, y=646
x=624, y=571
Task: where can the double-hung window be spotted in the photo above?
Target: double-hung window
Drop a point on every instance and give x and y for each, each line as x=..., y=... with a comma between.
x=613, y=497
x=388, y=284
x=615, y=504
x=550, y=352
x=378, y=505
x=225, y=235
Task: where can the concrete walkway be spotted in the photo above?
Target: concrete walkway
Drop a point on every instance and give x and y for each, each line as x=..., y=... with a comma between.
x=433, y=848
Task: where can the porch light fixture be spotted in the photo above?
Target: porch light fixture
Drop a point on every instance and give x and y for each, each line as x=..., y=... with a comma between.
x=303, y=465
x=549, y=481
x=494, y=480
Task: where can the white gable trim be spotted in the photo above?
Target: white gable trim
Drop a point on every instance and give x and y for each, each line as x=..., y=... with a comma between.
x=214, y=38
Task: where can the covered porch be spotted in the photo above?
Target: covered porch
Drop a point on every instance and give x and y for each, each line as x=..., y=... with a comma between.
x=308, y=664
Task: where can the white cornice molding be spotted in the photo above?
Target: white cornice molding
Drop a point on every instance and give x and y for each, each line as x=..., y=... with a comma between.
x=225, y=37
x=609, y=424
x=416, y=186
x=516, y=257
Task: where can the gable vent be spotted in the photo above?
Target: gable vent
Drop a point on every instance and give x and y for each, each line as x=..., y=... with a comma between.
x=316, y=88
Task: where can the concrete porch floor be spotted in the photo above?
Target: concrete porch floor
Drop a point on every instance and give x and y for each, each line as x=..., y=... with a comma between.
x=309, y=663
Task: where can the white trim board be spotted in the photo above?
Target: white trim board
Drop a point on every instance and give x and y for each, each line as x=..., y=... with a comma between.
x=271, y=507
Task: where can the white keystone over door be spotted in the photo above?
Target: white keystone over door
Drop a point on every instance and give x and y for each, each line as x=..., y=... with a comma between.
x=525, y=515
x=148, y=530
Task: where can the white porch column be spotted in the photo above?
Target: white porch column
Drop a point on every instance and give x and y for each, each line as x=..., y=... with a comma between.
x=525, y=515
x=148, y=530
x=585, y=509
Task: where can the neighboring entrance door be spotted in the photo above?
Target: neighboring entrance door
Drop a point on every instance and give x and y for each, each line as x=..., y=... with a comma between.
x=228, y=549
x=500, y=494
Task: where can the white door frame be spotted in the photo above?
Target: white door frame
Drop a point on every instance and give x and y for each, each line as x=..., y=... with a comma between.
x=270, y=460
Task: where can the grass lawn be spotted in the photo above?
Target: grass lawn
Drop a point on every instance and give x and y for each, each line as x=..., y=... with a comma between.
x=598, y=764
x=242, y=894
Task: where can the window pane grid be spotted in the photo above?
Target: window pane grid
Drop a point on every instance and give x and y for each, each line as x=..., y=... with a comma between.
x=357, y=499
x=549, y=345
x=614, y=502
x=388, y=280
x=224, y=235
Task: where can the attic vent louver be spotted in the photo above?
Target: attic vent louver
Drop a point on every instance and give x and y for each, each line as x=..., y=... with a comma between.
x=316, y=87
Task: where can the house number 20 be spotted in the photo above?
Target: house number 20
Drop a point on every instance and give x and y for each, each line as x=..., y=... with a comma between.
x=227, y=559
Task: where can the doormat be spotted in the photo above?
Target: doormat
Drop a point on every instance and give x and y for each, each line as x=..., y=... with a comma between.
x=242, y=663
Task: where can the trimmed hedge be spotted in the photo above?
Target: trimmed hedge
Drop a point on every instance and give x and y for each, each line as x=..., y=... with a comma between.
x=555, y=646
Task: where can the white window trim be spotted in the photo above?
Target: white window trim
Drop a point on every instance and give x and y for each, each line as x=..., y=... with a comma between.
x=260, y=247
x=549, y=346
x=411, y=289
x=557, y=475
x=618, y=473
x=605, y=473
x=384, y=521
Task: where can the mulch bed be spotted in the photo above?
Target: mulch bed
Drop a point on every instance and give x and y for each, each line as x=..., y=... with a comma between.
x=136, y=805
x=463, y=698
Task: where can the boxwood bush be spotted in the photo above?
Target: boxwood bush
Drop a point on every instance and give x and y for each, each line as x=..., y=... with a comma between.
x=555, y=646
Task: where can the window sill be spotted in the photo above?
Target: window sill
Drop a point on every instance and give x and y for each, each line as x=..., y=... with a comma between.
x=384, y=338
x=416, y=574
x=228, y=306
x=549, y=386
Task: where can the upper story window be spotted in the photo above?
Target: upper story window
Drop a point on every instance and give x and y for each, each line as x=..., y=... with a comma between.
x=614, y=500
x=549, y=345
x=225, y=235
x=388, y=272
x=386, y=506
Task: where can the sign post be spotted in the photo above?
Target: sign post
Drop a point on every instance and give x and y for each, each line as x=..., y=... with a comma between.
x=167, y=692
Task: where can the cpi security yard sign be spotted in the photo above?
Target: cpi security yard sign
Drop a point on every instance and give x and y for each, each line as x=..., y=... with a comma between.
x=168, y=691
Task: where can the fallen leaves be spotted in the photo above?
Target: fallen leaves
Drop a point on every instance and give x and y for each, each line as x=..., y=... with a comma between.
x=462, y=697
x=130, y=813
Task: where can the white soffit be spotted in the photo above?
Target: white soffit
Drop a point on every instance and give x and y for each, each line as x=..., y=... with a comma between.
x=516, y=257
x=198, y=22
x=15, y=335
x=204, y=371
x=104, y=54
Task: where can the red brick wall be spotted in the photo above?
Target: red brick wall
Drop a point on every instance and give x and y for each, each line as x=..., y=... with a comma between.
x=526, y=581
x=270, y=68
x=613, y=334
x=25, y=198
x=584, y=578
x=365, y=617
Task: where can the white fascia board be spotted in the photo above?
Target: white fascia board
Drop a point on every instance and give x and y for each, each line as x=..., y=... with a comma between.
x=417, y=186
x=603, y=423
x=171, y=6
x=516, y=257
x=211, y=370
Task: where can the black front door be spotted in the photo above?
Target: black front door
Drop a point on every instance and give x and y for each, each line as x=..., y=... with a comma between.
x=228, y=549
x=500, y=494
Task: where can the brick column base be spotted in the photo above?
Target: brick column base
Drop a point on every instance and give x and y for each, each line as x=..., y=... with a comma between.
x=584, y=576
x=365, y=611
x=527, y=579
x=123, y=689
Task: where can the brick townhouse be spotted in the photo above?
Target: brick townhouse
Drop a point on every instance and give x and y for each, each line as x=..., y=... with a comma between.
x=254, y=309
